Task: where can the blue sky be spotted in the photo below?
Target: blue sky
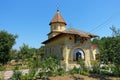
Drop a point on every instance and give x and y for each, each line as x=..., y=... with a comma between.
x=29, y=19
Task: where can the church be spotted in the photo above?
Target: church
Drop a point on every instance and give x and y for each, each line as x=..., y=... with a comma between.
x=68, y=44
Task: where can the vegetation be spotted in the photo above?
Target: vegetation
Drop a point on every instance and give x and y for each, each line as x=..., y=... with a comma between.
x=2, y=70
x=109, y=50
x=7, y=40
x=39, y=67
x=16, y=74
x=61, y=71
x=95, y=67
x=74, y=71
x=83, y=70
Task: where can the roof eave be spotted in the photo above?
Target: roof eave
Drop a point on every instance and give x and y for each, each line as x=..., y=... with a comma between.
x=61, y=34
x=93, y=36
x=57, y=22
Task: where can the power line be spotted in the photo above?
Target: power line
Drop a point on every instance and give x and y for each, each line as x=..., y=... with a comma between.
x=99, y=26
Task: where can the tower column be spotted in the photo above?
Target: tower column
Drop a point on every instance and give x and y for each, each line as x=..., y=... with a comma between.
x=57, y=25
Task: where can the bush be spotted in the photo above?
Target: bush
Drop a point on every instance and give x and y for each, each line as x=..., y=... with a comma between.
x=106, y=73
x=84, y=72
x=41, y=74
x=50, y=73
x=1, y=76
x=61, y=71
x=86, y=69
x=31, y=73
x=105, y=67
x=95, y=67
x=116, y=70
x=24, y=77
x=2, y=68
x=16, y=75
x=74, y=71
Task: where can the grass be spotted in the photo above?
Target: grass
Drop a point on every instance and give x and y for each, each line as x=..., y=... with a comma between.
x=12, y=65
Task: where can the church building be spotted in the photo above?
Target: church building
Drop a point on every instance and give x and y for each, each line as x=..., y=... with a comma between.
x=68, y=44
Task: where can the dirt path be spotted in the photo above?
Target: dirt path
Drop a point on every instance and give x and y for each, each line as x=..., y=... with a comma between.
x=8, y=74
x=82, y=77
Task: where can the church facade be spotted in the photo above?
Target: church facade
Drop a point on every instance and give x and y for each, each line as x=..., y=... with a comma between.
x=68, y=44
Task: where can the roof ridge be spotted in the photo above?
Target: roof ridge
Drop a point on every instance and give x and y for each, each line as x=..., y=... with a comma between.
x=80, y=32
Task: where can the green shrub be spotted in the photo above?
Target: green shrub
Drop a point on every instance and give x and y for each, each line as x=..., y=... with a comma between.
x=86, y=69
x=50, y=73
x=1, y=76
x=84, y=72
x=41, y=74
x=31, y=73
x=61, y=71
x=2, y=68
x=105, y=67
x=95, y=69
x=106, y=73
x=16, y=75
x=24, y=77
x=95, y=66
x=16, y=67
x=74, y=71
x=116, y=70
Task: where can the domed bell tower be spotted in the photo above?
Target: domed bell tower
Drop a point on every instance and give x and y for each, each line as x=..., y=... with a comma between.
x=57, y=25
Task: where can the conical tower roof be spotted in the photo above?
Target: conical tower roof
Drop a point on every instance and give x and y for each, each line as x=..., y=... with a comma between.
x=57, y=18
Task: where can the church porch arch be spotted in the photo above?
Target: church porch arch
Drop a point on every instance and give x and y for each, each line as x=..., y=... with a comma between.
x=75, y=53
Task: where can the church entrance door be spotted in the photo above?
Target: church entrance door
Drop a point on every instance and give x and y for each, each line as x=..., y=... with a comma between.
x=78, y=53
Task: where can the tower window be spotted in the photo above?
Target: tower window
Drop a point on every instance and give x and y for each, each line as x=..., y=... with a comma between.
x=54, y=28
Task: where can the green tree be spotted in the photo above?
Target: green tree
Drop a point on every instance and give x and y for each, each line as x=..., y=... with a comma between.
x=24, y=53
x=13, y=54
x=7, y=40
x=115, y=31
x=41, y=51
x=109, y=48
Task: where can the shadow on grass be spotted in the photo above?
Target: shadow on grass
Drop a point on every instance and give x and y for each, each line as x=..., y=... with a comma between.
x=100, y=77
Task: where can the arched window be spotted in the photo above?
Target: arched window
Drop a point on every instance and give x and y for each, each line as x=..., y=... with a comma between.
x=78, y=53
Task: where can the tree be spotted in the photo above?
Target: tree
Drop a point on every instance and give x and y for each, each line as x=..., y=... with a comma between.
x=13, y=54
x=41, y=51
x=24, y=53
x=115, y=32
x=109, y=48
x=7, y=40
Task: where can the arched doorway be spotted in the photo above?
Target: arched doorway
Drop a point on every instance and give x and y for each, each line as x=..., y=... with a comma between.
x=78, y=53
